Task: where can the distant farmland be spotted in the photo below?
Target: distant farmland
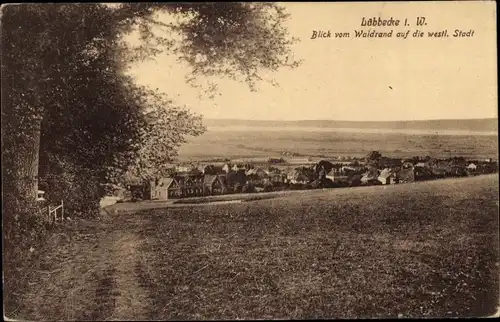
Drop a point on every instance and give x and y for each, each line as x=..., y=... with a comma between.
x=475, y=125
x=265, y=142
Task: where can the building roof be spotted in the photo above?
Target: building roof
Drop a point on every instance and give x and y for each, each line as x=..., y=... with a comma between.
x=386, y=173
x=222, y=178
x=332, y=172
x=165, y=182
x=372, y=172
x=250, y=172
x=209, y=179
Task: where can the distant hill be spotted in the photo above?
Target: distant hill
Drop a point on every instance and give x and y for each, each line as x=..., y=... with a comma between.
x=490, y=124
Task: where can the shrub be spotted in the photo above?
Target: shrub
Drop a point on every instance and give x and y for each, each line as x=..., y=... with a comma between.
x=76, y=186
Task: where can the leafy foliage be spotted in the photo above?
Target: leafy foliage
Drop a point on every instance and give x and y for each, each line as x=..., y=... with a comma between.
x=165, y=131
x=232, y=39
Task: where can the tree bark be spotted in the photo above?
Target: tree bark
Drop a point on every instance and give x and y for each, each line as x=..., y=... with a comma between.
x=25, y=167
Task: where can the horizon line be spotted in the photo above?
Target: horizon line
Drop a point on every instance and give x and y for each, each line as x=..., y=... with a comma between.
x=332, y=120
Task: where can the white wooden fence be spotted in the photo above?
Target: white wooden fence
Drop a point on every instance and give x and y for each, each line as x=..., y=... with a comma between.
x=54, y=213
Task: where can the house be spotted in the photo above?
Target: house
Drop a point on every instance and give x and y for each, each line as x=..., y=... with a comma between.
x=250, y=172
x=347, y=168
x=406, y=175
x=275, y=176
x=278, y=178
x=472, y=167
x=193, y=186
x=226, y=167
x=167, y=188
x=332, y=174
x=298, y=176
x=335, y=175
x=256, y=176
x=370, y=176
x=239, y=166
x=223, y=180
x=214, y=184
x=387, y=176
x=441, y=168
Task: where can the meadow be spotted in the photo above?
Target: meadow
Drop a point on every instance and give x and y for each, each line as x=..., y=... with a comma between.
x=426, y=249
x=263, y=142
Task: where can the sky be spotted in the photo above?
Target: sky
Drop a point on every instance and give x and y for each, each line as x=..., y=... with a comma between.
x=360, y=79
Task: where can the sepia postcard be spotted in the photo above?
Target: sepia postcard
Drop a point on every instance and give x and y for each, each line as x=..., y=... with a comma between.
x=249, y=160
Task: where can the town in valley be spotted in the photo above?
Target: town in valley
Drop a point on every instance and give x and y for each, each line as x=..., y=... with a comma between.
x=300, y=173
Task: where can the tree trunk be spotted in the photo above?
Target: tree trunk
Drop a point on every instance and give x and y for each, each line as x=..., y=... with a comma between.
x=25, y=167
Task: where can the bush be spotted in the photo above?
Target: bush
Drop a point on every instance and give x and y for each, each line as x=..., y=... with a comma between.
x=112, y=190
x=76, y=186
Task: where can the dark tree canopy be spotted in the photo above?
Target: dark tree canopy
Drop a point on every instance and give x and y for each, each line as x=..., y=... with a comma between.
x=327, y=166
x=64, y=83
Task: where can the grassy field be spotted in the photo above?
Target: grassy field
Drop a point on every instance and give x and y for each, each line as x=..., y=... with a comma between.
x=266, y=143
x=428, y=249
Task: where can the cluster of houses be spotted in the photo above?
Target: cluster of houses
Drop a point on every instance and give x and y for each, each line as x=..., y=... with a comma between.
x=392, y=170
x=204, y=180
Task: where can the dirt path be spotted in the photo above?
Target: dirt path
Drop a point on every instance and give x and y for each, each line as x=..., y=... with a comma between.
x=89, y=275
x=131, y=301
